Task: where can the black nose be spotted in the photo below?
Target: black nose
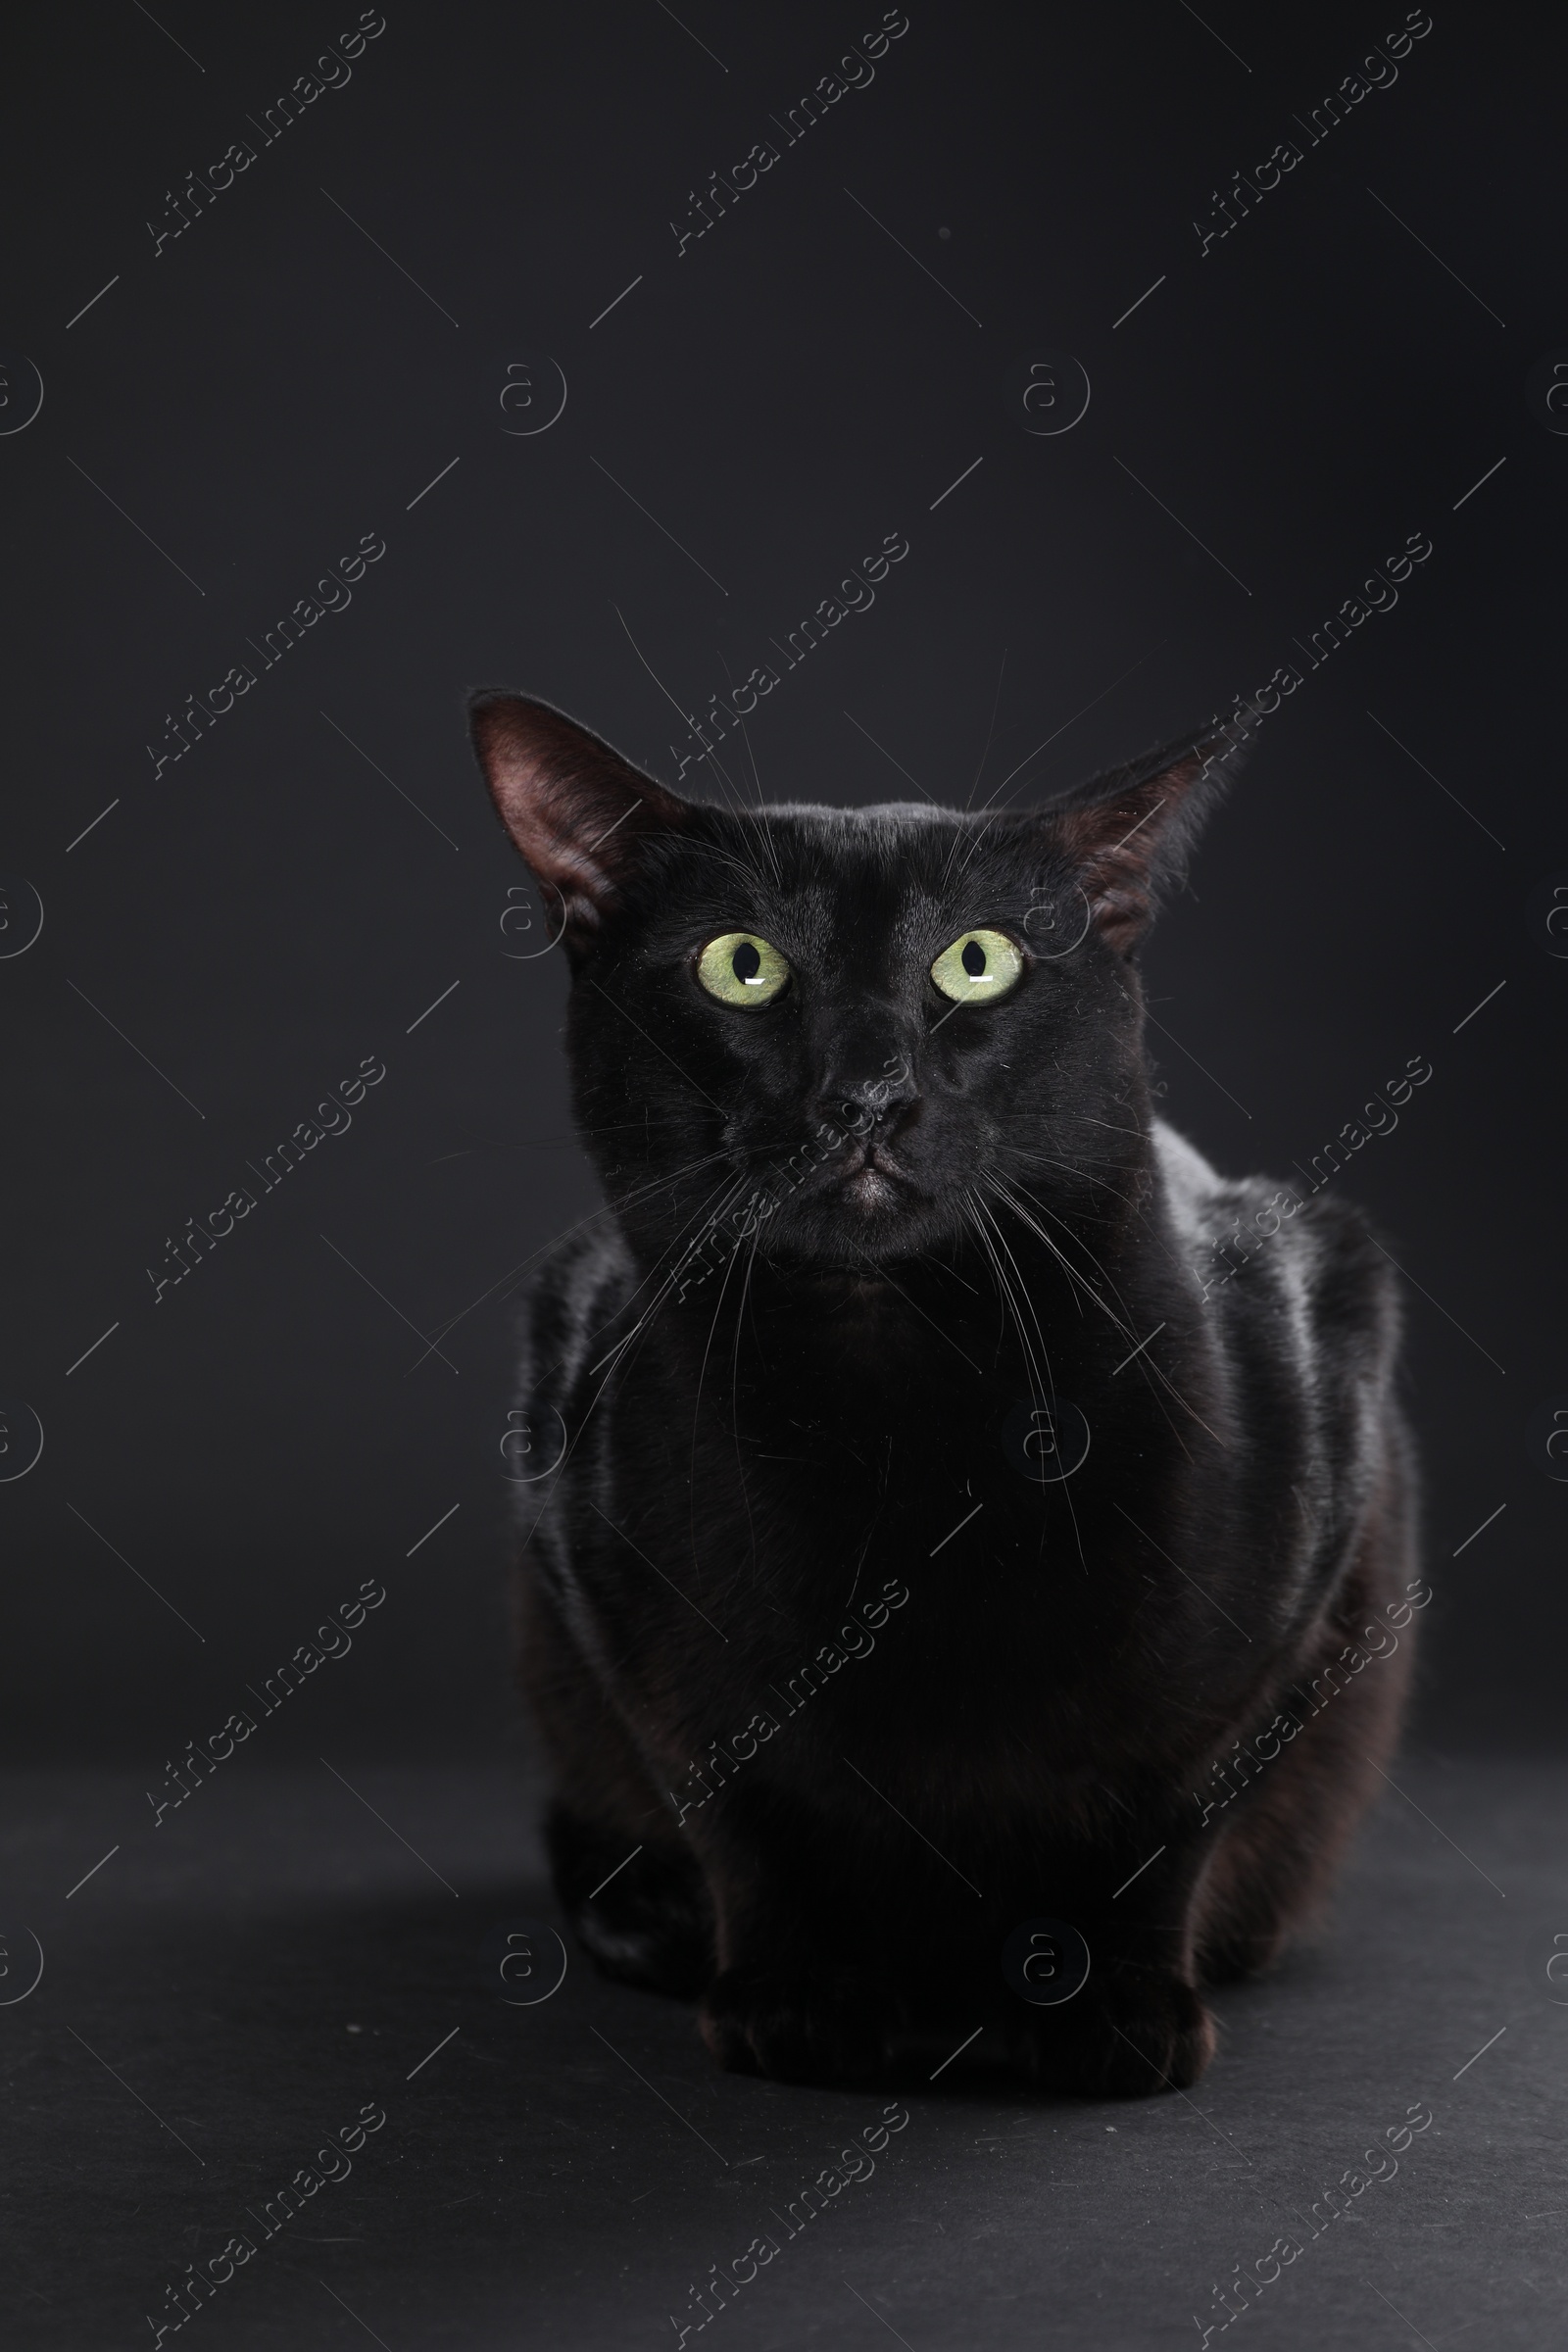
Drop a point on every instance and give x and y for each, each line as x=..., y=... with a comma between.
x=861, y=1101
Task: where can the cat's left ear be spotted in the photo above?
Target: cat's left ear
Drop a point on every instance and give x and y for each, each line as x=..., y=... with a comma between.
x=1127, y=833
x=578, y=811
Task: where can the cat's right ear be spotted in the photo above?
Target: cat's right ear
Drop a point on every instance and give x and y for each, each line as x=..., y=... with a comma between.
x=577, y=810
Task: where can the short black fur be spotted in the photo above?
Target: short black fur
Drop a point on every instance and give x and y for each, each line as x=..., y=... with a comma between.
x=803, y=1621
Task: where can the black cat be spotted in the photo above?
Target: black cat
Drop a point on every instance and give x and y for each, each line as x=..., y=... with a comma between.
x=931, y=1516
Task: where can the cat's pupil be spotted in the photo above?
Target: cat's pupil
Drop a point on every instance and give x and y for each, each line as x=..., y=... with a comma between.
x=746, y=961
x=973, y=958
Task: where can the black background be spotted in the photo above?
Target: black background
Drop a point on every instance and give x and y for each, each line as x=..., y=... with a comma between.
x=271, y=384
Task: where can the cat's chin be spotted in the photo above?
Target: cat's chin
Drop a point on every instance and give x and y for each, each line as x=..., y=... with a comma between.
x=870, y=1219
x=871, y=1193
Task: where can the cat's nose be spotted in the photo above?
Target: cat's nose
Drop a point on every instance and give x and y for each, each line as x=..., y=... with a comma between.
x=858, y=1098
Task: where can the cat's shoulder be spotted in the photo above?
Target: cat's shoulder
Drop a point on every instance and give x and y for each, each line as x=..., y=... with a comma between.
x=579, y=1290
x=1252, y=1239
x=1195, y=1191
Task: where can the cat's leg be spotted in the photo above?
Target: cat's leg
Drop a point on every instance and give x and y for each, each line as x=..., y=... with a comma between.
x=830, y=1954
x=650, y=1925
x=803, y=1990
x=650, y=1922
x=1137, y=2024
x=827, y=1959
x=1277, y=1857
x=1283, y=1840
x=830, y=1958
x=1212, y=1907
x=798, y=2018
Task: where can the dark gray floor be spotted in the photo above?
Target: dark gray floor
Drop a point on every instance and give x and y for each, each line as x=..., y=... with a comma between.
x=233, y=1985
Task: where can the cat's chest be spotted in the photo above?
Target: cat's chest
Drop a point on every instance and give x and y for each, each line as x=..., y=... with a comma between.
x=1010, y=1520
x=919, y=1602
x=1021, y=1495
x=923, y=1429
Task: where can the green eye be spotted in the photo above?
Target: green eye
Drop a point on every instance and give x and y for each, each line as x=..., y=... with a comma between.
x=978, y=967
x=738, y=969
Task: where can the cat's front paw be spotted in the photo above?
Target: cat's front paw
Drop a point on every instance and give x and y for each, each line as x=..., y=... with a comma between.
x=1129, y=2034
x=799, y=2026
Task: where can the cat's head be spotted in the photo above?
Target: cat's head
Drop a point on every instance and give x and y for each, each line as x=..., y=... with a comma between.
x=845, y=1032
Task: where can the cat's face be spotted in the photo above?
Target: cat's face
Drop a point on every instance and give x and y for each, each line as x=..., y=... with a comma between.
x=843, y=1035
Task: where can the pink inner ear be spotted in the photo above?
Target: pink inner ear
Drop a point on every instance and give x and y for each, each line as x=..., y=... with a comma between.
x=575, y=809
x=1118, y=844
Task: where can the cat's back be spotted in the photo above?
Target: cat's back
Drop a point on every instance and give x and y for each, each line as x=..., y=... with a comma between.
x=1302, y=1281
